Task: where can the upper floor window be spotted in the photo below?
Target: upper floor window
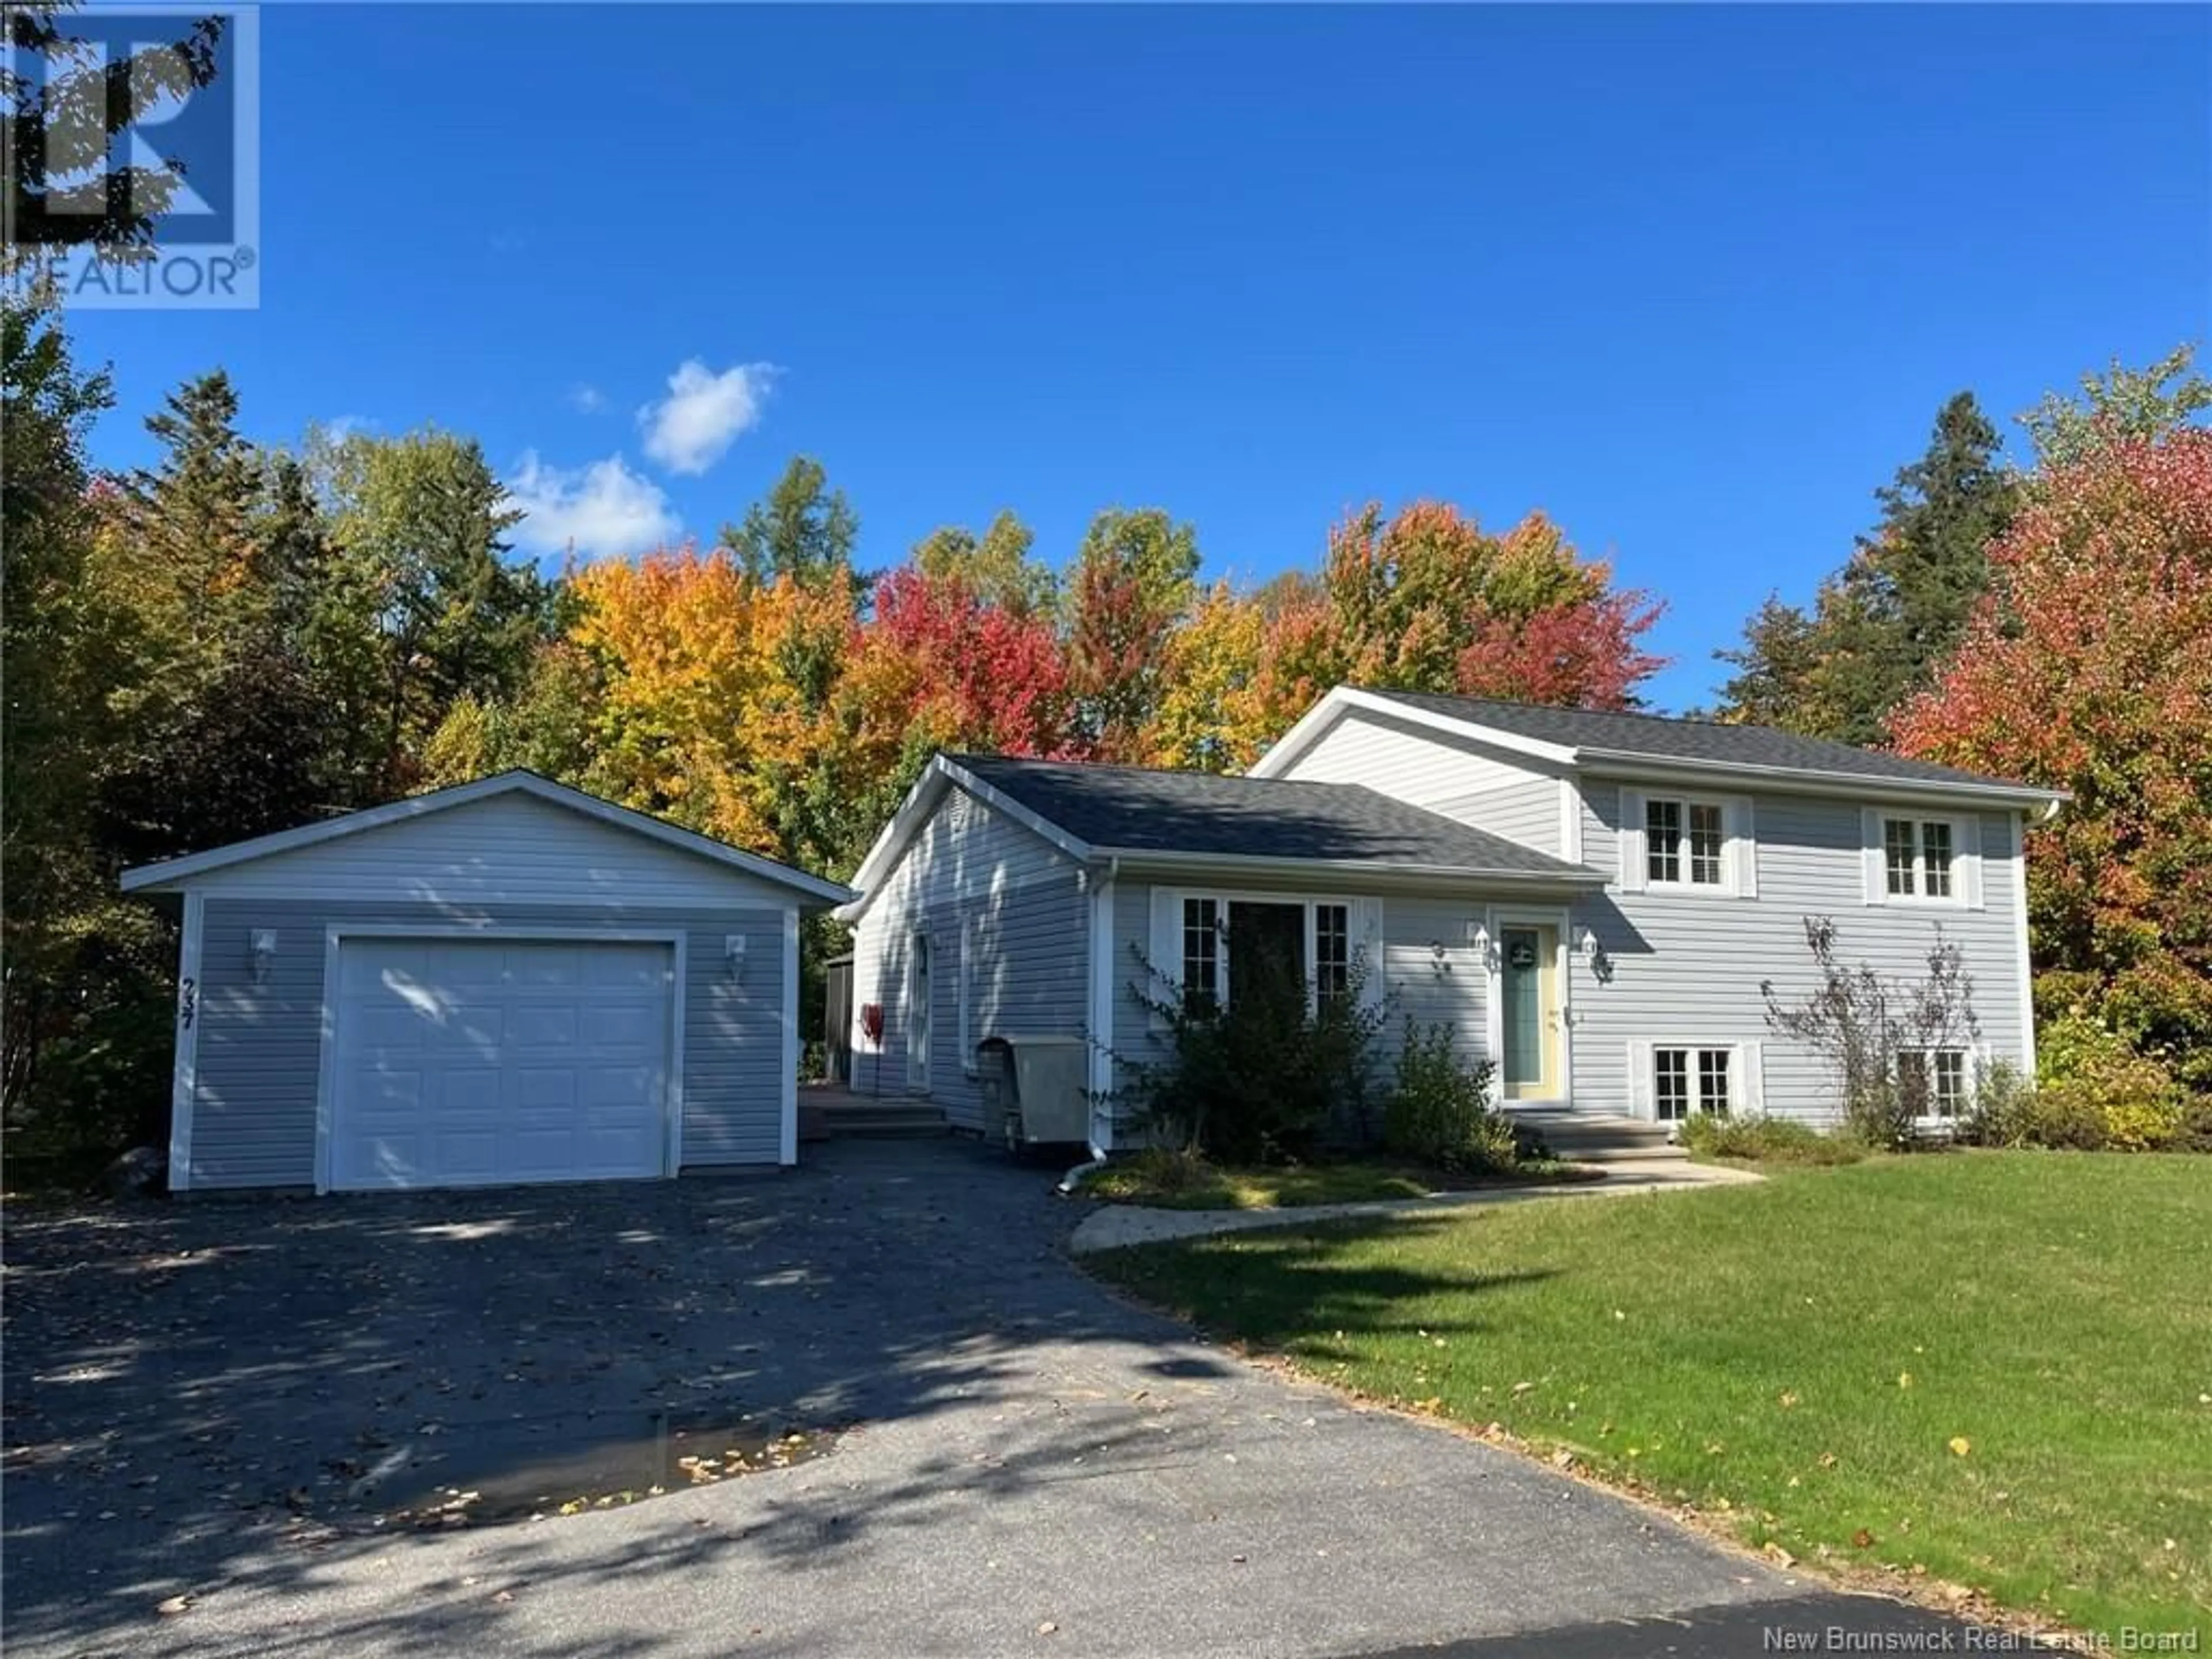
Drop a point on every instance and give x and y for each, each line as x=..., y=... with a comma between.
x=1917, y=857
x=1683, y=842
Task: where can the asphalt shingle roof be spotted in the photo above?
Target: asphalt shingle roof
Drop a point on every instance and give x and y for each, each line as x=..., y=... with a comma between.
x=1139, y=809
x=1660, y=738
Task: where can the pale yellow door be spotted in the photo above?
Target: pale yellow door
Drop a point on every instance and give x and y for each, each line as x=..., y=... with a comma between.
x=1528, y=1066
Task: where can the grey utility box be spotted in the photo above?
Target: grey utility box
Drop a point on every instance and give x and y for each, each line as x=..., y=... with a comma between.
x=1035, y=1088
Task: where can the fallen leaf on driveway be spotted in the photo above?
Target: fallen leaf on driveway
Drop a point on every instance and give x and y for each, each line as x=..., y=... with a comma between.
x=175, y=1604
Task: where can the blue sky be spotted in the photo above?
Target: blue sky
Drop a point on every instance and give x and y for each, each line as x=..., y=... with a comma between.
x=1691, y=280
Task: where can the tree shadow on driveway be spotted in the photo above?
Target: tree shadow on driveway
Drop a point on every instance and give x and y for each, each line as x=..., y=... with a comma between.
x=196, y=1394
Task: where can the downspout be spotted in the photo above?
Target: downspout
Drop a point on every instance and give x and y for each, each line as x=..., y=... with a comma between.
x=1075, y=1177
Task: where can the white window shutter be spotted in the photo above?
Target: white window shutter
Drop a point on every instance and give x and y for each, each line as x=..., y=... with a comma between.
x=1743, y=845
x=1640, y=1102
x=1871, y=857
x=1631, y=841
x=1750, y=1089
x=1970, y=862
x=1366, y=920
x=1165, y=950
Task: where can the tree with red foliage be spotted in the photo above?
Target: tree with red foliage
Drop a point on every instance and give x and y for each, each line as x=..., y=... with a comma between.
x=2088, y=668
x=1134, y=586
x=982, y=675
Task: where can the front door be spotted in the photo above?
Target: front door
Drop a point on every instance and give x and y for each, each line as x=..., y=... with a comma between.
x=918, y=994
x=1528, y=1068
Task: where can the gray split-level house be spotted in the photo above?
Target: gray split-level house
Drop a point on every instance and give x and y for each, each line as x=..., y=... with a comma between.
x=1590, y=900
x=511, y=981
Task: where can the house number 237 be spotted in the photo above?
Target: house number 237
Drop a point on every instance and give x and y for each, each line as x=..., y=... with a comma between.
x=187, y=1002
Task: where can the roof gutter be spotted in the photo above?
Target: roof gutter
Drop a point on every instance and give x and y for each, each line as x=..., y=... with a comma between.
x=1820, y=781
x=1152, y=861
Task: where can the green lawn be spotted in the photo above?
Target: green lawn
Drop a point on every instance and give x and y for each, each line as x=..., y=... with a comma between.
x=1168, y=1181
x=1996, y=1368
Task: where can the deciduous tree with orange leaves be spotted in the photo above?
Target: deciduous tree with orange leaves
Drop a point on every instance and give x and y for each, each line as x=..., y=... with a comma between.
x=2088, y=667
x=1427, y=600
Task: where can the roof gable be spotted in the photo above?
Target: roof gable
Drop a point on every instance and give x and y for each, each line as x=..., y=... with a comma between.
x=529, y=808
x=1597, y=737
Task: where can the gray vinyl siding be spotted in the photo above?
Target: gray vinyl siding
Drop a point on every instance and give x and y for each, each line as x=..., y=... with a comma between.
x=259, y=1047
x=1688, y=968
x=1435, y=975
x=510, y=849
x=1506, y=793
x=1023, y=906
x=1431, y=974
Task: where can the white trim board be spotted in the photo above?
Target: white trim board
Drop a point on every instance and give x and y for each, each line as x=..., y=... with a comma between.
x=1099, y=1001
x=335, y=933
x=173, y=873
x=787, y=1139
x=183, y=1082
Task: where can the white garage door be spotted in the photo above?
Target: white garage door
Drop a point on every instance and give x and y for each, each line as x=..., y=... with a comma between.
x=470, y=1062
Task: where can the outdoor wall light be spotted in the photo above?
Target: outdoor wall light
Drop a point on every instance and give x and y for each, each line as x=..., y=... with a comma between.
x=734, y=956
x=263, y=948
x=1586, y=941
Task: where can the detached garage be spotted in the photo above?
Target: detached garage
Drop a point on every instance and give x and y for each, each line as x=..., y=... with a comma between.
x=508, y=982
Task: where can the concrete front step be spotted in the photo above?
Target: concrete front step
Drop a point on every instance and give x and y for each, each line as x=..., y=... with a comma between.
x=887, y=1121
x=828, y=1110
x=1591, y=1138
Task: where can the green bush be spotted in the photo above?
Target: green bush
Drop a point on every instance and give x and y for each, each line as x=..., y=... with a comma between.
x=1269, y=1077
x=1439, y=1114
x=2196, y=1133
x=1762, y=1140
x=2097, y=1094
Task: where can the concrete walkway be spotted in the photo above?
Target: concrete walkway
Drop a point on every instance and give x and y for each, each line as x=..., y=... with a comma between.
x=1120, y=1224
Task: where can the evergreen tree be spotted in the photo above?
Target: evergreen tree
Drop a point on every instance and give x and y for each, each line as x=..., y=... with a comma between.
x=1883, y=626
x=424, y=606
x=804, y=529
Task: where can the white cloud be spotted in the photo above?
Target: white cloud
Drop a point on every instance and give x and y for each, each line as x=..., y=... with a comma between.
x=587, y=399
x=703, y=413
x=601, y=509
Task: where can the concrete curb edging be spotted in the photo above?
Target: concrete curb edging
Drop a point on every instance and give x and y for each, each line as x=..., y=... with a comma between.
x=1116, y=1226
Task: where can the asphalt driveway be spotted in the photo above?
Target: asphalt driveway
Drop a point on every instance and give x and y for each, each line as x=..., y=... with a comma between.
x=216, y=1401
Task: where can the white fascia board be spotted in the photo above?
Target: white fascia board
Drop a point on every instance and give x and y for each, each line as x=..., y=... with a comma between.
x=1341, y=872
x=1631, y=767
x=1344, y=699
x=922, y=800
x=172, y=874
